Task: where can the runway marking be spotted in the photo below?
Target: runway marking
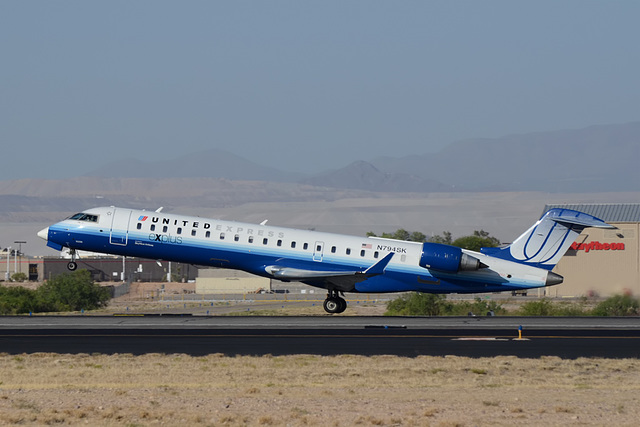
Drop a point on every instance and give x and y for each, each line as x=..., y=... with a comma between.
x=451, y=337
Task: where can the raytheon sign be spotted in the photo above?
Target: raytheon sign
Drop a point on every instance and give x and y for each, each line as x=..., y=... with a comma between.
x=597, y=246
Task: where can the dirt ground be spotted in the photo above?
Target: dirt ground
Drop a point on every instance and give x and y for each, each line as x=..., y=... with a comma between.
x=300, y=390
x=43, y=389
x=181, y=297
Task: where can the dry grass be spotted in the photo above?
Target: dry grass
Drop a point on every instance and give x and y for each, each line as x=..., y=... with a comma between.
x=41, y=389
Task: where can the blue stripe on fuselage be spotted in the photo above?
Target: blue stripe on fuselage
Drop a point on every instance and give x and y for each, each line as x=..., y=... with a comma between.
x=254, y=257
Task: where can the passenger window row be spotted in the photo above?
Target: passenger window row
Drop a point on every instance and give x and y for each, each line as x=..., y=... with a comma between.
x=265, y=241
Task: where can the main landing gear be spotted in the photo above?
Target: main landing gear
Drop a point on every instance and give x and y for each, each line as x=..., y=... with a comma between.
x=72, y=265
x=334, y=303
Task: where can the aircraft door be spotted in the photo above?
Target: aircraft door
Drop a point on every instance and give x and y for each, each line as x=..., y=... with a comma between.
x=318, y=250
x=119, y=226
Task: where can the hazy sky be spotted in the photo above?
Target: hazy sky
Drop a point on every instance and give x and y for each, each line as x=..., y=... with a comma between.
x=302, y=85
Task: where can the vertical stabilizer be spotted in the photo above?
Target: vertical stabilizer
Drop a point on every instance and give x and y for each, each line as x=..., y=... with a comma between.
x=547, y=240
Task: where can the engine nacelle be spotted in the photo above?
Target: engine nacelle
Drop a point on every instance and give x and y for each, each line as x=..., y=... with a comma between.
x=447, y=258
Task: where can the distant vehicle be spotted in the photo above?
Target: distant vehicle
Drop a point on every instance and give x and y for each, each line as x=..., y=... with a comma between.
x=337, y=263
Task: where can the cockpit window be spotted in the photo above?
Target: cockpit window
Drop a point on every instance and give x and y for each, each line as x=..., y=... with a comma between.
x=84, y=217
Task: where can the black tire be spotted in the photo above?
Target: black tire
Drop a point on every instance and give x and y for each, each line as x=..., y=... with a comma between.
x=343, y=305
x=332, y=305
x=72, y=266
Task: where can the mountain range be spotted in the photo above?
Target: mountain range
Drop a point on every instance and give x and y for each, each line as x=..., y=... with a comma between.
x=593, y=159
x=597, y=158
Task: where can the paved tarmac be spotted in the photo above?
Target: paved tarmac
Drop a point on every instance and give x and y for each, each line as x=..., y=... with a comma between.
x=327, y=322
x=323, y=335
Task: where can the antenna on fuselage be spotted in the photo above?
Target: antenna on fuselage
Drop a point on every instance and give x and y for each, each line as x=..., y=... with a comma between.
x=264, y=222
x=159, y=209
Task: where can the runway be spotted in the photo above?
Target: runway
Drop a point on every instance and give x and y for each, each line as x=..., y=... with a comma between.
x=323, y=335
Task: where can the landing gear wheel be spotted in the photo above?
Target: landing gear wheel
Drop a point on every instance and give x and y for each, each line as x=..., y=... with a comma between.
x=332, y=305
x=72, y=265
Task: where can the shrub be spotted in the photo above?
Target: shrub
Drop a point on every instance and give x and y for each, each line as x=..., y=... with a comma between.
x=18, y=277
x=68, y=292
x=617, y=305
x=417, y=304
x=542, y=307
x=17, y=300
x=571, y=309
x=545, y=307
x=478, y=307
x=421, y=304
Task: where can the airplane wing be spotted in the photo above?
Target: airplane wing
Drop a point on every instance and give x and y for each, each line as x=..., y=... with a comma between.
x=340, y=279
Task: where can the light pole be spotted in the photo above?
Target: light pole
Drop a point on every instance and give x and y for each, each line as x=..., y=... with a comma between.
x=6, y=275
x=19, y=242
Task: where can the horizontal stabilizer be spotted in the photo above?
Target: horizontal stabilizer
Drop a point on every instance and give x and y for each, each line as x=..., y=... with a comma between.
x=583, y=222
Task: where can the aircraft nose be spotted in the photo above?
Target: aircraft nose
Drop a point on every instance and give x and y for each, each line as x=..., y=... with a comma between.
x=44, y=233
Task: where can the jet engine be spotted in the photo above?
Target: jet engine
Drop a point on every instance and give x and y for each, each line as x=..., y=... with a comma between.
x=447, y=258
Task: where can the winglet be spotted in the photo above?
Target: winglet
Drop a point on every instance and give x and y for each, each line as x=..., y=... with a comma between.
x=378, y=267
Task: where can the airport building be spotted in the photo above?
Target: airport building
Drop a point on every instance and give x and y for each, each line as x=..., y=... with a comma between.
x=102, y=268
x=602, y=262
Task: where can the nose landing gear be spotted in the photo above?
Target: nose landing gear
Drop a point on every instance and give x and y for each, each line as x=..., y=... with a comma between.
x=334, y=303
x=72, y=265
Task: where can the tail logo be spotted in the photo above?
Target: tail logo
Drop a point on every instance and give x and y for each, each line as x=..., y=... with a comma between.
x=547, y=240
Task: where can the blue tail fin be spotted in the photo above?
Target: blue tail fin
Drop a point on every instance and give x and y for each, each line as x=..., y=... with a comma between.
x=547, y=240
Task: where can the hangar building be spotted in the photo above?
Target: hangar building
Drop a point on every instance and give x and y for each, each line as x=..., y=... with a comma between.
x=602, y=262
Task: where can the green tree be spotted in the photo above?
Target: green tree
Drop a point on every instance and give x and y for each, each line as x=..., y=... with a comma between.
x=417, y=236
x=495, y=242
x=479, y=239
x=445, y=239
x=72, y=292
x=401, y=234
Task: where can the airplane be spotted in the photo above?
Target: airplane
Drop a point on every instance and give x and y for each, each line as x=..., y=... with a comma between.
x=337, y=263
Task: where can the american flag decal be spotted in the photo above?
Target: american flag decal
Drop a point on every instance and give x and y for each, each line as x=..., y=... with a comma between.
x=366, y=246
